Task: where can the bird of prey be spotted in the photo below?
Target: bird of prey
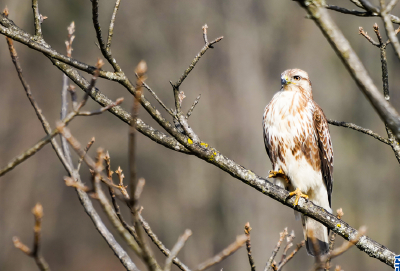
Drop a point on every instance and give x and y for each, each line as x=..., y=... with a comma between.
x=298, y=143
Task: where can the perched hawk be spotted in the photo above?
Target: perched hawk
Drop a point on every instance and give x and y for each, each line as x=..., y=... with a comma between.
x=298, y=143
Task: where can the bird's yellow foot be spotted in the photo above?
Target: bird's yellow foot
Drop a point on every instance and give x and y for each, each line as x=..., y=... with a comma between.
x=298, y=194
x=279, y=173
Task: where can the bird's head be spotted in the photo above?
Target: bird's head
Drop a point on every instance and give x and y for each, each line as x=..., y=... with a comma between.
x=296, y=80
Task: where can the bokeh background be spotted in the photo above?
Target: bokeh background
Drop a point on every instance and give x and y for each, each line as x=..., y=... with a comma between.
x=236, y=80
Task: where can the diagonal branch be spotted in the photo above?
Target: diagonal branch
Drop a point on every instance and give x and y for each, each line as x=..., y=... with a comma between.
x=175, y=250
x=232, y=248
x=160, y=245
x=359, y=129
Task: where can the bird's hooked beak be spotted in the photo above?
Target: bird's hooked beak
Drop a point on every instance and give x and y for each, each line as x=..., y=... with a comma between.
x=285, y=80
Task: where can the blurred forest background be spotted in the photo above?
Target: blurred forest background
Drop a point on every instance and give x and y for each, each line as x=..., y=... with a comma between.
x=236, y=80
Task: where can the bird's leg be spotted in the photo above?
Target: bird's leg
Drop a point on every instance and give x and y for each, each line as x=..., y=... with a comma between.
x=298, y=194
x=279, y=173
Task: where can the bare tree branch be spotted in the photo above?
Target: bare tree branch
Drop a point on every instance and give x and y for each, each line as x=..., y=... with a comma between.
x=389, y=27
x=393, y=18
x=247, y=230
x=175, y=250
x=111, y=27
x=38, y=19
x=105, y=50
x=102, y=198
x=359, y=129
x=282, y=236
x=38, y=111
x=35, y=253
x=189, y=113
x=38, y=146
x=160, y=245
x=291, y=255
x=339, y=215
x=64, y=92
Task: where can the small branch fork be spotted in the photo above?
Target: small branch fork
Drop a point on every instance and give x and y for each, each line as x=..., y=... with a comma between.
x=271, y=264
x=391, y=140
x=35, y=252
x=370, y=11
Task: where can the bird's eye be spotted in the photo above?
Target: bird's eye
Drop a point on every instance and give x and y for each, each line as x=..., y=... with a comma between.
x=297, y=78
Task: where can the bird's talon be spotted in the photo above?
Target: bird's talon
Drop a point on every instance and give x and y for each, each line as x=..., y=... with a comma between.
x=298, y=194
x=279, y=173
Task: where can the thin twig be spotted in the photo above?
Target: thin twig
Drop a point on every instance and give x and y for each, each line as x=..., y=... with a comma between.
x=282, y=236
x=390, y=30
x=360, y=129
x=291, y=255
x=339, y=215
x=368, y=6
x=365, y=35
x=289, y=244
x=64, y=92
x=37, y=19
x=393, y=142
x=160, y=245
x=177, y=247
x=349, y=11
x=78, y=167
x=141, y=70
x=187, y=129
x=189, y=113
x=194, y=62
x=38, y=146
x=137, y=185
x=38, y=111
x=111, y=27
x=247, y=230
x=106, y=53
x=96, y=73
x=35, y=252
x=205, y=27
x=393, y=18
x=98, y=174
x=102, y=109
x=232, y=248
x=156, y=97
